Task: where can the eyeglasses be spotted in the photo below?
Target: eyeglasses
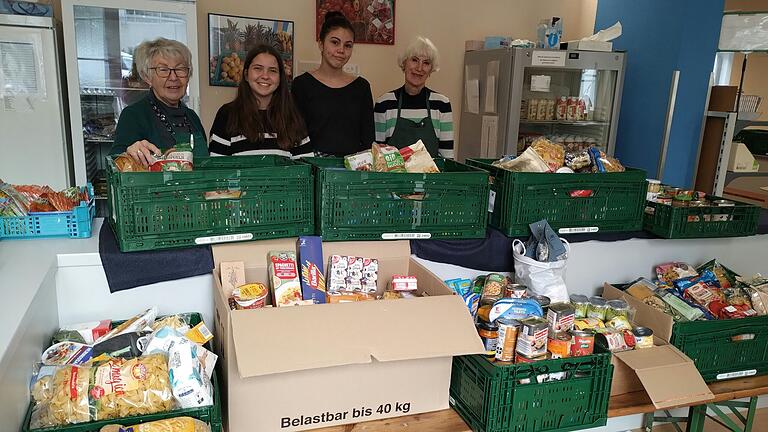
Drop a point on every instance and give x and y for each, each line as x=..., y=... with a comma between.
x=164, y=72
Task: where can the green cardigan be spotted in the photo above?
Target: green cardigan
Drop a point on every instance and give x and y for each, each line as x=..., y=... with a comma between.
x=138, y=122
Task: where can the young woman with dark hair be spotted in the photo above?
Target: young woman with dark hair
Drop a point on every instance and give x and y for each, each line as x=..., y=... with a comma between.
x=337, y=107
x=263, y=118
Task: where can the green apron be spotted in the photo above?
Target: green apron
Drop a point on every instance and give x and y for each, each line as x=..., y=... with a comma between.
x=407, y=131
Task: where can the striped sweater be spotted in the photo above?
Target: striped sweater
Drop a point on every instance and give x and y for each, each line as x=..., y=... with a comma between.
x=415, y=108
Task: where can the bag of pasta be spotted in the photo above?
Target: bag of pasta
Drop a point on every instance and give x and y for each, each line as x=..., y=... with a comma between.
x=127, y=387
x=178, y=424
x=59, y=396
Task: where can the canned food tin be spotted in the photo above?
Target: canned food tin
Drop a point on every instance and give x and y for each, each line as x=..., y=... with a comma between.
x=515, y=290
x=597, y=308
x=493, y=289
x=619, y=322
x=664, y=199
x=616, y=308
x=532, y=338
x=613, y=341
x=643, y=337
x=580, y=304
x=583, y=343
x=560, y=317
x=507, y=341
x=559, y=345
x=543, y=301
x=489, y=335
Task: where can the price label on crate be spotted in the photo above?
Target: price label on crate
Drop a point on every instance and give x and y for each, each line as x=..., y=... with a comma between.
x=738, y=374
x=406, y=236
x=491, y=201
x=223, y=238
x=578, y=230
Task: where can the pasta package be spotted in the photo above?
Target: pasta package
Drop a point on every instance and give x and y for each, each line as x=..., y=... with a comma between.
x=121, y=388
x=178, y=424
x=60, y=396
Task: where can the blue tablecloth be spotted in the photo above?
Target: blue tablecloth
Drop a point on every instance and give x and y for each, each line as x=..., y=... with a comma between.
x=133, y=269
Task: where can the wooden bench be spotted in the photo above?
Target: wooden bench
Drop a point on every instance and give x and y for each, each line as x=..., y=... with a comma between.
x=619, y=406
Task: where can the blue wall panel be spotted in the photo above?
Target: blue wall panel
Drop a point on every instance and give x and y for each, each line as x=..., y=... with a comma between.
x=661, y=36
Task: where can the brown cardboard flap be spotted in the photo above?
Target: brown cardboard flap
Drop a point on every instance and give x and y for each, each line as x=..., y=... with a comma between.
x=645, y=315
x=668, y=376
x=275, y=340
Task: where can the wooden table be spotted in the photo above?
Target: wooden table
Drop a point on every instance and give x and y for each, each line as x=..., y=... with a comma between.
x=619, y=406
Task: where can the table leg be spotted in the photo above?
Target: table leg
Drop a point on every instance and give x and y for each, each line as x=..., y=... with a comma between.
x=696, y=416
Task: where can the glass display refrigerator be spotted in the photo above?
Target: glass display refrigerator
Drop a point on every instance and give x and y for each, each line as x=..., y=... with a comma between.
x=99, y=39
x=513, y=95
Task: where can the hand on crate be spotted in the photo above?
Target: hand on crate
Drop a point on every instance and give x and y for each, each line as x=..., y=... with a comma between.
x=143, y=152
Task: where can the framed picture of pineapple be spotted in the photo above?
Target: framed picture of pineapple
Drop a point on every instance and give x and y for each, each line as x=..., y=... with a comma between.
x=372, y=20
x=231, y=37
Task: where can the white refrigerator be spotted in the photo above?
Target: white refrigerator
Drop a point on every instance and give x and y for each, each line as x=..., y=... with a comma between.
x=34, y=138
x=99, y=39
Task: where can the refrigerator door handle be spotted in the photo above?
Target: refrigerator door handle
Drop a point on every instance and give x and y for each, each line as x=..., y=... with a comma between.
x=668, y=124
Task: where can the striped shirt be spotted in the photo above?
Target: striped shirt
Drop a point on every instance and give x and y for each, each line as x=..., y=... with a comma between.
x=415, y=108
x=224, y=143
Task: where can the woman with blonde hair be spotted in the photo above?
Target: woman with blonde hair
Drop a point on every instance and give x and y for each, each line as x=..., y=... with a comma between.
x=415, y=112
x=160, y=120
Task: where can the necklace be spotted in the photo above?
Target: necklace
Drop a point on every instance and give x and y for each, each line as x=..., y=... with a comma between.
x=169, y=125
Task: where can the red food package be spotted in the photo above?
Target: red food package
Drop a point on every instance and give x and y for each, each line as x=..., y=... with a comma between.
x=41, y=206
x=736, y=311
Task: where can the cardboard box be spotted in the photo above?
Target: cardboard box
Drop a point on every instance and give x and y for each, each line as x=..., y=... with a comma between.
x=305, y=367
x=723, y=98
x=667, y=375
x=741, y=159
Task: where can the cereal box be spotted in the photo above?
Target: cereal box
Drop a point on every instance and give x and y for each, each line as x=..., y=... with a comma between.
x=284, y=278
x=312, y=276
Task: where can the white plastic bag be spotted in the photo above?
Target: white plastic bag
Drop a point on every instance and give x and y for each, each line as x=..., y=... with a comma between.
x=541, y=278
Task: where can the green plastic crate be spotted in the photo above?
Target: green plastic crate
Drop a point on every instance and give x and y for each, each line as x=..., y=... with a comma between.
x=724, y=349
x=615, y=203
x=700, y=222
x=490, y=398
x=161, y=210
x=210, y=414
x=355, y=205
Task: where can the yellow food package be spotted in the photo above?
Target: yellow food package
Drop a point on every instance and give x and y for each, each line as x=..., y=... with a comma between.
x=121, y=388
x=178, y=424
x=200, y=334
x=553, y=154
x=387, y=159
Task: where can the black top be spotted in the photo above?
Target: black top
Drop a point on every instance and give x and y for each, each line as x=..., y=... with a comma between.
x=226, y=143
x=339, y=120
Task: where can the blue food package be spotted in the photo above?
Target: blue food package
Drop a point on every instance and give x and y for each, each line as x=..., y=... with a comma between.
x=515, y=308
x=472, y=301
x=460, y=286
x=310, y=250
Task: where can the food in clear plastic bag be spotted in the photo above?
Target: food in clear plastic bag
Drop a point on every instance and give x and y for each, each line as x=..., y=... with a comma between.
x=417, y=159
x=553, y=154
x=179, y=322
x=724, y=275
x=387, y=159
x=578, y=160
x=527, y=161
x=362, y=161
x=178, y=424
x=60, y=396
x=121, y=388
x=670, y=272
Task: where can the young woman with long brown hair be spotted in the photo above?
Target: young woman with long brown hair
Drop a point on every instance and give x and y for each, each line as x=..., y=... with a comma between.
x=263, y=118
